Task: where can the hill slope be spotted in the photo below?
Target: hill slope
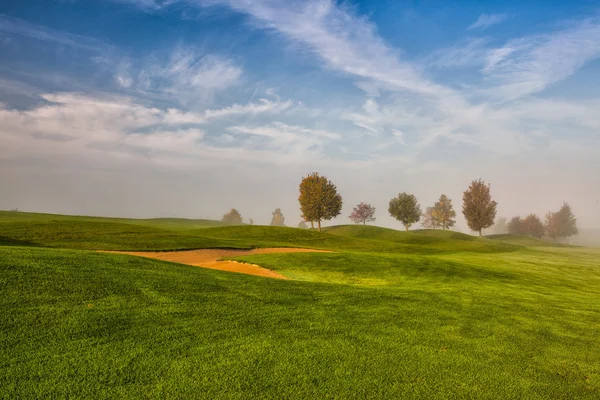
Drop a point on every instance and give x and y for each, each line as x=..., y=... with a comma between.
x=91, y=325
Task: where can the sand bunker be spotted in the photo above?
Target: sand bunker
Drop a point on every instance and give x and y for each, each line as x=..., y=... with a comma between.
x=209, y=258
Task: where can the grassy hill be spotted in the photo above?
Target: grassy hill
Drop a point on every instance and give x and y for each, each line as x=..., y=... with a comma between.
x=176, y=224
x=427, y=314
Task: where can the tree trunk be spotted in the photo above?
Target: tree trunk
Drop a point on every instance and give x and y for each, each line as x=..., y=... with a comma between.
x=364, y=222
x=480, y=233
x=406, y=227
x=319, y=222
x=312, y=225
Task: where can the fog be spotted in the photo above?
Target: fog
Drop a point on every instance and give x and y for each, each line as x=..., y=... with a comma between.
x=147, y=191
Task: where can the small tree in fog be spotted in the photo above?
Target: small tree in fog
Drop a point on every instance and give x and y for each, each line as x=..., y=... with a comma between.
x=251, y=221
x=515, y=226
x=233, y=217
x=478, y=207
x=405, y=209
x=430, y=221
x=319, y=199
x=302, y=225
x=444, y=213
x=551, y=225
x=500, y=226
x=363, y=213
x=532, y=225
x=567, y=223
x=278, y=218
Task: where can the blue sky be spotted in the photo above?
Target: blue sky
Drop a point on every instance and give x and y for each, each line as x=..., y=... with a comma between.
x=189, y=107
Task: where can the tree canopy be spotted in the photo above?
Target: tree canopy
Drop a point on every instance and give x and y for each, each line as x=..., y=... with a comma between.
x=363, y=213
x=532, y=225
x=278, y=218
x=319, y=199
x=515, y=226
x=478, y=207
x=233, y=217
x=444, y=213
x=405, y=209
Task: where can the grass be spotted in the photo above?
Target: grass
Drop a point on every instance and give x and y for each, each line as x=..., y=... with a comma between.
x=486, y=320
x=175, y=224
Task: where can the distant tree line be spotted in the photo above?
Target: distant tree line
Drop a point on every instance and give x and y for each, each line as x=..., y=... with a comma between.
x=559, y=224
x=320, y=201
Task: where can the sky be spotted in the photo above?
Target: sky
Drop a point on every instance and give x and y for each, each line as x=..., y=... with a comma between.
x=187, y=108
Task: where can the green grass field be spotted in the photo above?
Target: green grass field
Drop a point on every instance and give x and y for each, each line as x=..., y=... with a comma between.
x=389, y=314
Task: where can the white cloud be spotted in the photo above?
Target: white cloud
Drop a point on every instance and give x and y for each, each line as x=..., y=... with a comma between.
x=486, y=20
x=530, y=64
x=263, y=106
x=15, y=26
x=293, y=139
x=473, y=52
x=187, y=75
x=343, y=41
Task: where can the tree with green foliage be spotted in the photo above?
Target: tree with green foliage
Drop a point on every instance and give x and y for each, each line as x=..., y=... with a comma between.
x=363, y=213
x=567, y=223
x=532, y=225
x=233, y=217
x=515, y=226
x=478, y=207
x=278, y=218
x=444, y=213
x=319, y=199
x=405, y=209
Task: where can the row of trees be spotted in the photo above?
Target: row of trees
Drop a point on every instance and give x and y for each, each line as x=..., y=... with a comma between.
x=233, y=217
x=320, y=201
x=559, y=224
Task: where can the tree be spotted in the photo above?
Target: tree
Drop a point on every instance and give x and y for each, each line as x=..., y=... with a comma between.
x=278, y=218
x=405, y=209
x=444, y=213
x=500, y=226
x=363, y=213
x=251, y=221
x=233, y=217
x=430, y=221
x=567, y=223
x=319, y=199
x=478, y=207
x=551, y=225
x=515, y=226
x=533, y=226
x=302, y=225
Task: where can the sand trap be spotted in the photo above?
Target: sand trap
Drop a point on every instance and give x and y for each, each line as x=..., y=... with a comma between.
x=209, y=258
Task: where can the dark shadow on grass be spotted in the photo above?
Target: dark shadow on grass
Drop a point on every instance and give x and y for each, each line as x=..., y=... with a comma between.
x=4, y=241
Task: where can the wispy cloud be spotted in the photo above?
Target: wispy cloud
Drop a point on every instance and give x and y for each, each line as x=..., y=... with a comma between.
x=187, y=74
x=529, y=64
x=290, y=139
x=15, y=26
x=486, y=20
x=472, y=52
x=343, y=41
x=261, y=107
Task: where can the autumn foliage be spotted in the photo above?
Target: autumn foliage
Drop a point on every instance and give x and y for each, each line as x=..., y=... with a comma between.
x=233, y=217
x=319, y=199
x=478, y=207
x=363, y=213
